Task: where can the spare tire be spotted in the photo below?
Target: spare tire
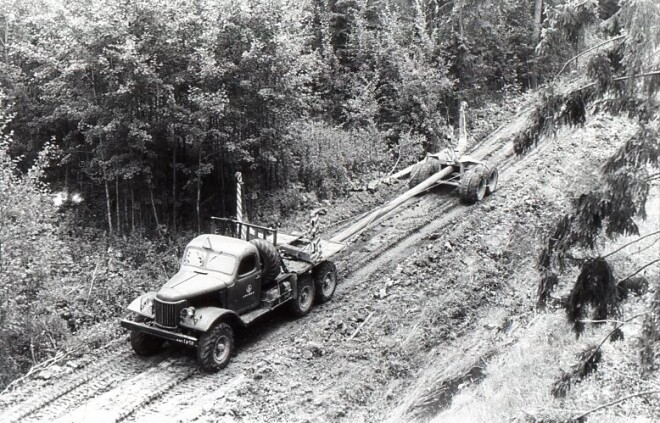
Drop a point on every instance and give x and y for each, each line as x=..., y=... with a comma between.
x=270, y=259
x=473, y=185
x=422, y=171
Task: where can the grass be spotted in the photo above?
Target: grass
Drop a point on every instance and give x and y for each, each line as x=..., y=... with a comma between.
x=519, y=380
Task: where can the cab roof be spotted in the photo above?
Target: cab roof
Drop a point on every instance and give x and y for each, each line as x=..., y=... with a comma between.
x=223, y=244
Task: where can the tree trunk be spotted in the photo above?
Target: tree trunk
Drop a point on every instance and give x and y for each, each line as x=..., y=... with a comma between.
x=153, y=207
x=461, y=28
x=132, y=207
x=118, y=202
x=107, y=202
x=174, y=184
x=538, y=21
x=126, y=213
x=5, y=44
x=199, y=188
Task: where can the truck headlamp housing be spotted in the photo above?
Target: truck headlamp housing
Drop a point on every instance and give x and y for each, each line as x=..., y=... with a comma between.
x=147, y=305
x=187, y=312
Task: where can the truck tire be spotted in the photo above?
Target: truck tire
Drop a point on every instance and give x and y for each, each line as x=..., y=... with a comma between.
x=270, y=259
x=422, y=171
x=144, y=344
x=472, y=187
x=325, y=281
x=302, y=304
x=215, y=347
x=491, y=183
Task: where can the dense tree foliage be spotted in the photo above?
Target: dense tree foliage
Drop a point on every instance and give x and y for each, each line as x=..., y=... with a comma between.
x=624, y=77
x=155, y=105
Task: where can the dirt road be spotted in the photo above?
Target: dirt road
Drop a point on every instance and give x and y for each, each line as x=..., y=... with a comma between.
x=349, y=360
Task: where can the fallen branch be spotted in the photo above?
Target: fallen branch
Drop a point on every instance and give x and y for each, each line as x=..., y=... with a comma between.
x=609, y=404
x=398, y=159
x=91, y=285
x=361, y=325
x=37, y=368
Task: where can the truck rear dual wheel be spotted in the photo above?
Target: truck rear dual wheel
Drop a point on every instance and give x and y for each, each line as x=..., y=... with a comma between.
x=325, y=281
x=422, y=171
x=302, y=304
x=215, y=347
x=477, y=182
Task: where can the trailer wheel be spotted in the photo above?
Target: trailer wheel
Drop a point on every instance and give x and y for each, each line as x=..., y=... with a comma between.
x=144, y=344
x=302, y=304
x=215, y=347
x=422, y=171
x=472, y=187
x=491, y=183
x=325, y=281
x=270, y=259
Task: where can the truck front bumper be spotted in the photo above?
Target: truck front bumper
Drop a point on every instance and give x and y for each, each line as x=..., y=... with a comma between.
x=179, y=338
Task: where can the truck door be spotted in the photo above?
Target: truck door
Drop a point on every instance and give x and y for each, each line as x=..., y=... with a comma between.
x=247, y=291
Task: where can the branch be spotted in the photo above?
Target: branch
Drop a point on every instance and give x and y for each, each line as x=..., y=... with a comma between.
x=38, y=367
x=600, y=407
x=397, y=161
x=630, y=243
x=618, y=322
x=619, y=326
x=361, y=325
x=587, y=51
x=639, y=270
x=621, y=78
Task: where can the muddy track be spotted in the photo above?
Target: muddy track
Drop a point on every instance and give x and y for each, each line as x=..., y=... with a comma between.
x=362, y=260
x=123, y=387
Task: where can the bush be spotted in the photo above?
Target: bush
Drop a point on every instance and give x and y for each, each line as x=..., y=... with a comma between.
x=330, y=160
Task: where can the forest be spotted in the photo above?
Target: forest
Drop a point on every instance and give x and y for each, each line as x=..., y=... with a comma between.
x=152, y=107
x=123, y=124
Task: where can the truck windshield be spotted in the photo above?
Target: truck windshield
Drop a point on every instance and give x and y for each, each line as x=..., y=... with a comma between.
x=209, y=260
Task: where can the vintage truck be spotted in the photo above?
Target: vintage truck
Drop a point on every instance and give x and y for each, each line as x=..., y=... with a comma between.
x=227, y=282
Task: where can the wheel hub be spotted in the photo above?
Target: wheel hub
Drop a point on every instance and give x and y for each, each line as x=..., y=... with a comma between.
x=220, y=351
x=328, y=284
x=305, y=297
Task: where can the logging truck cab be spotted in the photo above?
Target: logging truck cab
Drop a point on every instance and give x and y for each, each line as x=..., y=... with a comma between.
x=224, y=284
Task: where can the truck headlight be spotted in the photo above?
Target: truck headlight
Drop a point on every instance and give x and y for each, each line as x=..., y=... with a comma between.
x=187, y=312
x=148, y=305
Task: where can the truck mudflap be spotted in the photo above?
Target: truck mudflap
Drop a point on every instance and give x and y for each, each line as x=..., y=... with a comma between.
x=179, y=338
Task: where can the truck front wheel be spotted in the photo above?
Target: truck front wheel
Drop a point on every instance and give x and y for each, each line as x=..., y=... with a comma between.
x=144, y=344
x=325, y=281
x=302, y=304
x=215, y=347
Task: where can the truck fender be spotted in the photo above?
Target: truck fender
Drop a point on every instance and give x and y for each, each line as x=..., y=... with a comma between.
x=293, y=279
x=205, y=317
x=144, y=305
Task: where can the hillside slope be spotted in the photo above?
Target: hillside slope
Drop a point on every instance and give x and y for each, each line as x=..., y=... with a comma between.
x=433, y=300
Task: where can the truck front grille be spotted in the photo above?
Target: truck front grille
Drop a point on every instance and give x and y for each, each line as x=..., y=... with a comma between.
x=167, y=314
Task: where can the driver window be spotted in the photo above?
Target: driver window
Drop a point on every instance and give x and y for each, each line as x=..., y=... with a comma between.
x=248, y=264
